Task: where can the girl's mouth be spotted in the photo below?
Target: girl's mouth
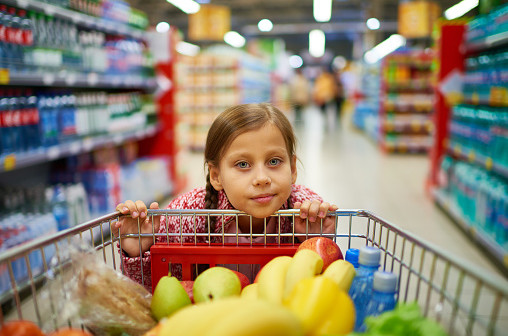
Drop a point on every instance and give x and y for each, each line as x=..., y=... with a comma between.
x=263, y=198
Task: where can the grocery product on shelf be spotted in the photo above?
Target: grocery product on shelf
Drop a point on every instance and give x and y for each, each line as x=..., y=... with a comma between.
x=406, y=102
x=212, y=81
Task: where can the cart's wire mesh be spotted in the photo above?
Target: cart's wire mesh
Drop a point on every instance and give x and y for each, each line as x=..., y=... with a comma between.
x=464, y=299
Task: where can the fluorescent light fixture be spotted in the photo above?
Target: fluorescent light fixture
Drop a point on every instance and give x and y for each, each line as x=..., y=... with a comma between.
x=234, y=39
x=295, y=61
x=373, y=24
x=384, y=48
x=162, y=27
x=265, y=25
x=186, y=48
x=317, y=42
x=187, y=6
x=460, y=9
x=322, y=10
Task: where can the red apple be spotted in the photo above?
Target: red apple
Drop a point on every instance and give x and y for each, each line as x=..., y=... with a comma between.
x=326, y=248
x=187, y=285
x=244, y=280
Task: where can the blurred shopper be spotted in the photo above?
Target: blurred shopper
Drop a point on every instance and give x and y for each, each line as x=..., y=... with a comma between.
x=300, y=92
x=340, y=93
x=325, y=90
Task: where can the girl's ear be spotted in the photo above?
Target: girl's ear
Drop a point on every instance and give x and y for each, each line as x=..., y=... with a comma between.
x=214, y=177
x=293, y=169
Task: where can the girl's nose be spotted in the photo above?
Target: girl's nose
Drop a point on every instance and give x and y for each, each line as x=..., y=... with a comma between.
x=262, y=178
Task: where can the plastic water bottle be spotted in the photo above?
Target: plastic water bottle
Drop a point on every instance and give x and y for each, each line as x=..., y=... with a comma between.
x=362, y=287
x=385, y=294
x=60, y=210
x=352, y=255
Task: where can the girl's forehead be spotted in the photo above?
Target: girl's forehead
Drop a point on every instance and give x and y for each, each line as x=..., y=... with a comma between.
x=268, y=132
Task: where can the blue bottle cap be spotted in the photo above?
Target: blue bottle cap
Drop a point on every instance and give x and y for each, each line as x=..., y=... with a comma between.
x=385, y=282
x=352, y=255
x=369, y=256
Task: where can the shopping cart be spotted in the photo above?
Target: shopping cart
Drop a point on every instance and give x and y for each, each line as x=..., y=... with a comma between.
x=464, y=299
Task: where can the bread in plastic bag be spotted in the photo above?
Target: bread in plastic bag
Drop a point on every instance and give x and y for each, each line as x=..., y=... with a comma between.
x=106, y=301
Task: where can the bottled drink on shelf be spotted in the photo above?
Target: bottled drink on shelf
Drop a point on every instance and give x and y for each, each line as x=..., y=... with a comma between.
x=384, y=297
x=362, y=287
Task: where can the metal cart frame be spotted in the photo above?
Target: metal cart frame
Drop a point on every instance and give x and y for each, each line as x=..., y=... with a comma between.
x=465, y=299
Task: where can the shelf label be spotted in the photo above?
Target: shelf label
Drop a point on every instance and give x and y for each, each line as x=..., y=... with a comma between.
x=22, y=3
x=48, y=78
x=87, y=144
x=4, y=76
x=505, y=260
x=471, y=156
x=74, y=147
x=456, y=149
x=93, y=78
x=489, y=163
x=416, y=125
x=53, y=153
x=10, y=162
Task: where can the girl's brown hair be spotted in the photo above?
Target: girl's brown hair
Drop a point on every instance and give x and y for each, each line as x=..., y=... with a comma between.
x=234, y=121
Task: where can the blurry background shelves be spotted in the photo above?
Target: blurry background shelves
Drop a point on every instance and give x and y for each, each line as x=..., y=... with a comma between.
x=469, y=160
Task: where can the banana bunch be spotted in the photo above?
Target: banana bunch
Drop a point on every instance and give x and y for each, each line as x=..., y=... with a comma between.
x=320, y=300
x=230, y=317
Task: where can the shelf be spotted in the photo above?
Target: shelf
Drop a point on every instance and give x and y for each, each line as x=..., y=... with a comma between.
x=493, y=41
x=471, y=156
x=78, y=18
x=69, y=79
x=15, y=161
x=407, y=126
x=444, y=202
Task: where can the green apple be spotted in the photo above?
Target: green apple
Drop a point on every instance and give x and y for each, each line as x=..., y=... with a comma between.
x=168, y=297
x=216, y=283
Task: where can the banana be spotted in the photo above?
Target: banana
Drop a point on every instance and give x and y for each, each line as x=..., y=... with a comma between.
x=255, y=318
x=272, y=279
x=250, y=292
x=193, y=320
x=230, y=317
x=342, y=272
x=305, y=264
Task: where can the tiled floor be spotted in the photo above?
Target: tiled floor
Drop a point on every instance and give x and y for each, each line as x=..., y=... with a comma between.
x=347, y=168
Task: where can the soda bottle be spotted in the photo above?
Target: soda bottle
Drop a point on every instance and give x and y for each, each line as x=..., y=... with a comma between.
x=352, y=255
x=362, y=286
x=384, y=297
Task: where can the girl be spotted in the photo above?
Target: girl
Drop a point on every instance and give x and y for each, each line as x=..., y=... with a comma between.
x=251, y=161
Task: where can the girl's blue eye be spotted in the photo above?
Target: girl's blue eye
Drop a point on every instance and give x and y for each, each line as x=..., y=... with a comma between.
x=242, y=164
x=274, y=162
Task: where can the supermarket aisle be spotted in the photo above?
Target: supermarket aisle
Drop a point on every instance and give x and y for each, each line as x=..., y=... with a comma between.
x=347, y=168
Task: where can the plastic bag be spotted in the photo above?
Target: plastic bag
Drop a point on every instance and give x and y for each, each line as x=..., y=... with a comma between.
x=106, y=301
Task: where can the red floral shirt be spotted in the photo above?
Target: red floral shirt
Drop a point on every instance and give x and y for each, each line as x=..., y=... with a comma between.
x=139, y=268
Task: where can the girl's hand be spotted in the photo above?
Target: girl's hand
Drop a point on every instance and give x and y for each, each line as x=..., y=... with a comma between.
x=316, y=212
x=129, y=225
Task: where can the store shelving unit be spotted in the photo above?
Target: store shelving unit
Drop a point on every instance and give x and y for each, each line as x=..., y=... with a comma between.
x=213, y=81
x=406, y=107
x=469, y=174
x=113, y=108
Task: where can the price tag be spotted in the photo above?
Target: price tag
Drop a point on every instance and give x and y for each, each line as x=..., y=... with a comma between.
x=471, y=156
x=49, y=10
x=489, y=163
x=70, y=79
x=9, y=162
x=48, y=78
x=4, y=76
x=505, y=260
x=87, y=144
x=53, y=153
x=22, y=3
x=74, y=148
x=118, y=139
x=456, y=149
x=93, y=78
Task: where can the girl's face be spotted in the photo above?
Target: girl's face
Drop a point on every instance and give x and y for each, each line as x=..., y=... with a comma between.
x=256, y=172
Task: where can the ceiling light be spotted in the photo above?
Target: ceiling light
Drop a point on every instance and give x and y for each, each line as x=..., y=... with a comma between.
x=339, y=62
x=265, y=25
x=187, y=6
x=317, y=42
x=322, y=10
x=186, y=48
x=234, y=39
x=295, y=61
x=162, y=27
x=460, y=9
x=384, y=48
x=373, y=24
